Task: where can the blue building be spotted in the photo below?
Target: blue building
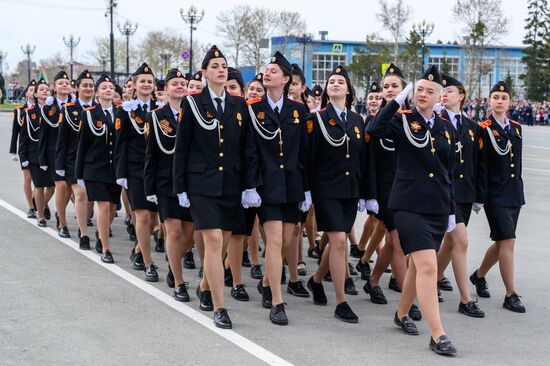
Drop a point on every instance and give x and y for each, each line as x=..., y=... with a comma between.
x=321, y=56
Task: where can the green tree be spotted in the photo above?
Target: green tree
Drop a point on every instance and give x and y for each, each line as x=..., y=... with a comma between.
x=410, y=60
x=445, y=66
x=366, y=65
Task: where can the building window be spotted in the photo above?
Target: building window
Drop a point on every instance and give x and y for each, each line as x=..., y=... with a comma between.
x=323, y=64
x=513, y=67
x=453, y=64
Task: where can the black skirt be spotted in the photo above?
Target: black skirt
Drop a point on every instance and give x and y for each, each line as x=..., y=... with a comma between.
x=136, y=195
x=40, y=178
x=244, y=223
x=420, y=231
x=100, y=191
x=286, y=212
x=503, y=221
x=385, y=214
x=214, y=212
x=463, y=212
x=335, y=215
x=169, y=207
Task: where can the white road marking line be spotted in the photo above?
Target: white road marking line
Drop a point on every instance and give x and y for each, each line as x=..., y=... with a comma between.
x=537, y=170
x=537, y=147
x=244, y=343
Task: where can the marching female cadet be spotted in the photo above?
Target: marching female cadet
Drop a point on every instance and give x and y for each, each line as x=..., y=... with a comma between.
x=317, y=92
x=336, y=171
x=277, y=174
x=255, y=88
x=195, y=84
x=501, y=190
x=49, y=130
x=67, y=145
x=29, y=139
x=18, y=114
x=455, y=243
x=422, y=198
x=208, y=171
x=95, y=168
x=159, y=91
x=161, y=135
x=129, y=164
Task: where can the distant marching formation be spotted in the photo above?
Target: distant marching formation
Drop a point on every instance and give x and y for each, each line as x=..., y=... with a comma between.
x=222, y=164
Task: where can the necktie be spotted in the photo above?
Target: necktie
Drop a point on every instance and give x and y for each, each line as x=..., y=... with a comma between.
x=343, y=119
x=144, y=108
x=86, y=106
x=507, y=130
x=219, y=108
x=276, y=110
x=109, y=117
x=430, y=124
x=458, y=122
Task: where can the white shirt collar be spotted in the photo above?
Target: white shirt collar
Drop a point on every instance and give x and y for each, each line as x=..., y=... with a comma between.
x=452, y=116
x=141, y=102
x=339, y=112
x=431, y=121
x=278, y=103
x=82, y=103
x=503, y=124
x=176, y=112
x=61, y=102
x=110, y=110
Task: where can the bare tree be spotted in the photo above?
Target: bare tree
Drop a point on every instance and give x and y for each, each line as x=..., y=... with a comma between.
x=159, y=44
x=261, y=25
x=484, y=23
x=232, y=25
x=394, y=16
x=288, y=24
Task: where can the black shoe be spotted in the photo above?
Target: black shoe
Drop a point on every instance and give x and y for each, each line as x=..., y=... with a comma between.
x=513, y=303
x=344, y=313
x=64, y=232
x=131, y=230
x=107, y=257
x=376, y=294
x=246, y=260
x=414, y=313
x=393, y=285
x=355, y=252
x=31, y=214
x=170, y=281
x=201, y=270
x=138, y=264
x=228, y=277
x=283, y=276
x=90, y=223
x=181, y=294
x=297, y=289
x=151, y=274
x=443, y=346
x=480, y=283
x=42, y=223
x=266, y=295
x=364, y=269
x=328, y=277
x=444, y=284
x=205, y=299
x=302, y=271
x=97, y=235
x=47, y=213
x=318, y=291
x=99, y=246
x=352, y=271
x=387, y=270
x=110, y=232
x=159, y=246
x=406, y=324
x=84, y=243
x=312, y=253
x=239, y=293
x=277, y=315
x=57, y=226
x=349, y=287
x=127, y=220
x=188, y=261
x=256, y=272
x=221, y=319
x=471, y=309
x=439, y=297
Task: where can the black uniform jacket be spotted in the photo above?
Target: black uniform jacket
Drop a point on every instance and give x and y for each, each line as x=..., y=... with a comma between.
x=95, y=154
x=278, y=167
x=67, y=139
x=30, y=135
x=424, y=175
x=336, y=172
x=500, y=179
x=18, y=114
x=159, y=152
x=49, y=130
x=211, y=162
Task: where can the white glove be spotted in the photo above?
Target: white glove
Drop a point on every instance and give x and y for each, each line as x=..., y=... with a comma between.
x=477, y=207
x=80, y=182
x=153, y=199
x=361, y=205
x=25, y=164
x=183, y=200
x=451, y=223
x=306, y=204
x=123, y=182
x=14, y=157
x=243, y=199
x=438, y=108
x=251, y=198
x=60, y=172
x=44, y=167
x=372, y=205
x=400, y=98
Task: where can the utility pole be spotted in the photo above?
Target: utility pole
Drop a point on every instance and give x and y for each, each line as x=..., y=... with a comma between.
x=192, y=18
x=127, y=29
x=112, y=5
x=423, y=30
x=304, y=40
x=3, y=55
x=28, y=50
x=71, y=42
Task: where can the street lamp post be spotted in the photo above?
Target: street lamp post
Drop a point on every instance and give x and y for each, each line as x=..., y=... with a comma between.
x=304, y=40
x=110, y=14
x=127, y=29
x=165, y=56
x=3, y=55
x=71, y=42
x=191, y=17
x=28, y=50
x=423, y=30
x=103, y=64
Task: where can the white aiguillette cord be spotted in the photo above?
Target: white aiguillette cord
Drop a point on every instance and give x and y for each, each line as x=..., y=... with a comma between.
x=415, y=141
x=207, y=125
x=73, y=125
x=29, y=122
x=95, y=130
x=155, y=127
x=54, y=125
x=497, y=148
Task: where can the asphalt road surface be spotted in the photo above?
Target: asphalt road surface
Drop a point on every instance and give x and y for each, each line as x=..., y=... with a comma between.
x=62, y=306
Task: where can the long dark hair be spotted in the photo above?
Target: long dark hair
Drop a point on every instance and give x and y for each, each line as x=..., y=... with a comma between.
x=350, y=97
x=403, y=85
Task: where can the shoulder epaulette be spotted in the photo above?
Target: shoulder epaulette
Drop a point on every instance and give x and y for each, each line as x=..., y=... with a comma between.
x=253, y=100
x=29, y=108
x=445, y=119
x=322, y=110
x=195, y=93
x=90, y=108
x=406, y=111
x=69, y=104
x=298, y=101
x=486, y=124
x=156, y=109
x=19, y=107
x=515, y=122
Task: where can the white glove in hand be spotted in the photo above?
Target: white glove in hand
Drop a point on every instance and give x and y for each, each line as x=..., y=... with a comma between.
x=451, y=223
x=361, y=205
x=252, y=198
x=306, y=204
x=14, y=157
x=123, y=182
x=80, y=182
x=477, y=207
x=60, y=173
x=438, y=108
x=184, y=200
x=152, y=198
x=25, y=164
x=400, y=98
x=372, y=205
x=44, y=167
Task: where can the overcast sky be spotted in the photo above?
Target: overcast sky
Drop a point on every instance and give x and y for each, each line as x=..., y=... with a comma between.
x=43, y=23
